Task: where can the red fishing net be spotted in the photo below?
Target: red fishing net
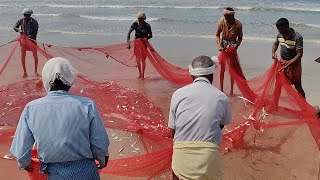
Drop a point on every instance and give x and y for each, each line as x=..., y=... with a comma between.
x=135, y=111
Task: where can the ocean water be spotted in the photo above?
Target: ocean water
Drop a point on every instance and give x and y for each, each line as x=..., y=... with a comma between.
x=168, y=18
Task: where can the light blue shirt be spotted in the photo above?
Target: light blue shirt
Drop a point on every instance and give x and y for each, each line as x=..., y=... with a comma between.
x=197, y=111
x=65, y=127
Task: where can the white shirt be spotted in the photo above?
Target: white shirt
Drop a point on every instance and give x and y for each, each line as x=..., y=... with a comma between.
x=197, y=111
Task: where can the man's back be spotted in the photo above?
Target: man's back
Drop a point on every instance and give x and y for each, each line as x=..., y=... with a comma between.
x=60, y=123
x=197, y=111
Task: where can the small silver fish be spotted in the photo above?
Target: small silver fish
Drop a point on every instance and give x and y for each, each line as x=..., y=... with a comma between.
x=245, y=99
x=133, y=144
x=7, y=156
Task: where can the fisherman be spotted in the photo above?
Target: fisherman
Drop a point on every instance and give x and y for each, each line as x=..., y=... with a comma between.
x=67, y=129
x=229, y=33
x=28, y=26
x=198, y=113
x=291, y=43
x=142, y=31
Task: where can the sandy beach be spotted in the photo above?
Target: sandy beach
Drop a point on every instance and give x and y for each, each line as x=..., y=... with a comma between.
x=279, y=153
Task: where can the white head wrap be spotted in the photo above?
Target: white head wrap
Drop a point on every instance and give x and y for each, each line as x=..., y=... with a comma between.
x=141, y=15
x=58, y=68
x=203, y=71
x=228, y=12
x=27, y=11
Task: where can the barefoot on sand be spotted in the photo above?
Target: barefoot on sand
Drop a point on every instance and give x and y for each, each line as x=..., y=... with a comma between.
x=24, y=75
x=39, y=83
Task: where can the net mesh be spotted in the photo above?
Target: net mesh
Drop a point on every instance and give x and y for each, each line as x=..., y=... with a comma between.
x=135, y=111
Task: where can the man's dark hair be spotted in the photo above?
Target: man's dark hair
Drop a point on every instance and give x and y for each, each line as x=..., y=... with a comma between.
x=282, y=22
x=229, y=8
x=59, y=85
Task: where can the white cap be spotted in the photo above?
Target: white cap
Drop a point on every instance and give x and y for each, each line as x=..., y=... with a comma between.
x=58, y=68
x=27, y=11
x=141, y=15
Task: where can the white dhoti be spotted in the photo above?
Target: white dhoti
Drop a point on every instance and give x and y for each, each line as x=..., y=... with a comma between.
x=197, y=161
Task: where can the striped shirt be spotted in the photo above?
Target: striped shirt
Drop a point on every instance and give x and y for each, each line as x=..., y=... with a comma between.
x=64, y=126
x=30, y=29
x=290, y=45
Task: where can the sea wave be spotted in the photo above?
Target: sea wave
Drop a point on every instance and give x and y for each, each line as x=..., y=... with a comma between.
x=132, y=18
x=115, y=18
x=105, y=18
x=128, y=18
x=131, y=6
x=256, y=38
x=241, y=8
x=163, y=34
x=278, y=8
x=313, y=25
x=248, y=38
x=53, y=15
x=168, y=20
x=75, y=32
x=304, y=9
x=293, y=24
x=6, y=28
x=305, y=25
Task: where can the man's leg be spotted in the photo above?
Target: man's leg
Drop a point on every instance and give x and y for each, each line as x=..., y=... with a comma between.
x=23, y=61
x=143, y=65
x=222, y=75
x=276, y=95
x=298, y=86
x=296, y=72
x=35, y=56
x=139, y=66
x=232, y=83
x=137, y=53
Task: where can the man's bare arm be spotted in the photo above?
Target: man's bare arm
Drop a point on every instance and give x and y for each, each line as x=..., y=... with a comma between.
x=293, y=60
x=128, y=38
x=274, y=50
x=240, y=37
x=173, y=132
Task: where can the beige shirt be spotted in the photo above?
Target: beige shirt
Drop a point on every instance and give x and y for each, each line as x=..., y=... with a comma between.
x=233, y=33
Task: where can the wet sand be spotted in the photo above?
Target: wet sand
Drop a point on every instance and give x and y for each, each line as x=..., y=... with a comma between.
x=279, y=153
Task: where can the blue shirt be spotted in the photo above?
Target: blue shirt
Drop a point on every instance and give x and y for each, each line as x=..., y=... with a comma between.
x=65, y=127
x=197, y=111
